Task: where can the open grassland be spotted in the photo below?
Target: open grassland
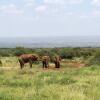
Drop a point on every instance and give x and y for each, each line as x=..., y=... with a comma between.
x=66, y=83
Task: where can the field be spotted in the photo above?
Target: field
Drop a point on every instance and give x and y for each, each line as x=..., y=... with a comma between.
x=67, y=83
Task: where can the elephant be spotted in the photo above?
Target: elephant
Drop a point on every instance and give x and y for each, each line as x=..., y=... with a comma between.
x=0, y=63
x=57, y=60
x=27, y=58
x=45, y=61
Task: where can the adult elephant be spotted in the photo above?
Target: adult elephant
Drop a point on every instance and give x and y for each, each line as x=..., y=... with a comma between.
x=27, y=58
x=45, y=61
x=57, y=60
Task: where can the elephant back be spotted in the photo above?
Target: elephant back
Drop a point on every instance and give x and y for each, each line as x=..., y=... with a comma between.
x=57, y=58
x=28, y=56
x=45, y=58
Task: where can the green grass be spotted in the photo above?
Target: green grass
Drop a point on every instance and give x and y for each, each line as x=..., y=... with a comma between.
x=38, y=84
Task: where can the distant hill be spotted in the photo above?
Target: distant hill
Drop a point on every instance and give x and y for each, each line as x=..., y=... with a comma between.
x=59, y=41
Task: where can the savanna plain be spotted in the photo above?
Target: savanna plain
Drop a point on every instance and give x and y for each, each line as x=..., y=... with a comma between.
x=77, y=79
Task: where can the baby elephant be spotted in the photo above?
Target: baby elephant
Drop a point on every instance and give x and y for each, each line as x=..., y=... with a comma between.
x=57, y=61
x=27, y=58
x=45, y=61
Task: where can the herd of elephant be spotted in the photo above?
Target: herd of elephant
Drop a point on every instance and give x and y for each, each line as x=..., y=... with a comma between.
x=30, y=58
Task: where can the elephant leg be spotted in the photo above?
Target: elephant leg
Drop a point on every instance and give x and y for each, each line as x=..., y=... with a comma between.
x=58, y=65
x=21, y=64
x=30, y=63
x=43, y=64
x=46, y=64
x=55, y=64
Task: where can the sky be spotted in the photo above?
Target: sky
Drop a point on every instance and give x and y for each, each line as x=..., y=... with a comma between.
x=27, y=18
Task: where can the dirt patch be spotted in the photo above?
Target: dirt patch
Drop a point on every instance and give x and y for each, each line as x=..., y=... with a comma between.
x=76, y=64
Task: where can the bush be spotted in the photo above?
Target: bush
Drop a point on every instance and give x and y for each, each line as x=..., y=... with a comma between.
x=19, y=51
x=4, y=53
x=96, y=58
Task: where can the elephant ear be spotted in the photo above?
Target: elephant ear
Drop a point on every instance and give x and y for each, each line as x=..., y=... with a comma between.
x=34, y=56
x=20, y=60
x=45, y=58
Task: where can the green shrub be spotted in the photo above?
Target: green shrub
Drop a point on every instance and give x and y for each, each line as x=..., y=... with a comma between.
x=4, y=53
x=19, y=51
x=96, y=58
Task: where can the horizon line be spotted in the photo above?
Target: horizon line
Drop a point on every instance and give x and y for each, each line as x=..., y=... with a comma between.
x=45, y=36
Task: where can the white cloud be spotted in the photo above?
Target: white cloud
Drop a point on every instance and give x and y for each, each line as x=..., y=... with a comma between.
x=29, y=0
x=29, y=5
x=93, y=14
x=41, y=8
x=95, y=2
x=63, y=1
x=96, y=13
x=84, y=16
x=2, y=8
x=10, y=9
x=70, y=13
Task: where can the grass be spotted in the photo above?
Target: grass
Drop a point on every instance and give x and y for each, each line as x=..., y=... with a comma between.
x=38, y=84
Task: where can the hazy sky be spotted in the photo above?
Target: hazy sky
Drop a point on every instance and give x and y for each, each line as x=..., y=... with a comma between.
x=49, y=17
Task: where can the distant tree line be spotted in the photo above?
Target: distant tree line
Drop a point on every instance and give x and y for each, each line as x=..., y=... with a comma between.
x=65, y=53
